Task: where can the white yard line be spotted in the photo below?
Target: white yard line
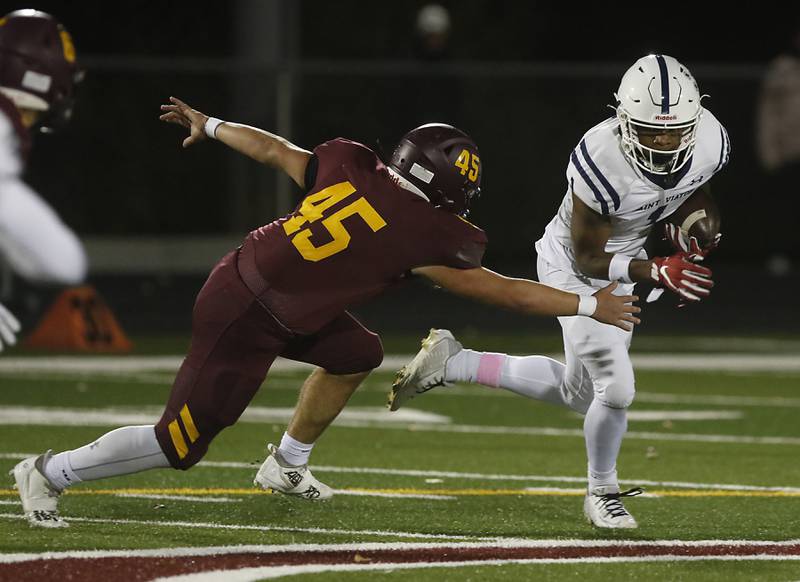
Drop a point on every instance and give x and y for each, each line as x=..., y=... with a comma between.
x=127, y=364
x=194, y=498
x=423, y=474
x=121, y=415
x=247, y=527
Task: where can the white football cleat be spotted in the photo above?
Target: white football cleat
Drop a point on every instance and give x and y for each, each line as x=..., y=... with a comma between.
x=427, y=370
x=278, y=476
x=39, y=497
x=603, y=508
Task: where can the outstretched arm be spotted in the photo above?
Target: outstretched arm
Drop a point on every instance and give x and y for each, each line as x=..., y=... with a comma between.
x=264, y=147
x=531, y=297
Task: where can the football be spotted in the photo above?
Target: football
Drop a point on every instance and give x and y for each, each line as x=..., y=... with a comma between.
x=699, y=217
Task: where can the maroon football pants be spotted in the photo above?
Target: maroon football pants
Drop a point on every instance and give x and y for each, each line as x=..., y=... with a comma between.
x=234, y=342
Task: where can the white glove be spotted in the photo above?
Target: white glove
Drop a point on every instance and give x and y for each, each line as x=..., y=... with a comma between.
x=9, y=327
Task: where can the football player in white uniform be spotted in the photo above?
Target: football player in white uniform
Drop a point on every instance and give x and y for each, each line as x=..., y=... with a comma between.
x=625, y=174
x=37, y=75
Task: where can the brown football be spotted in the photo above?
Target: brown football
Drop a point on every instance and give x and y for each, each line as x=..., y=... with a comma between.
x=701, y=214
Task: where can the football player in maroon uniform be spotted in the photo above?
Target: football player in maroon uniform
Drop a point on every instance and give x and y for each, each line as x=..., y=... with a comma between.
x=38, y=72
x=363, y=226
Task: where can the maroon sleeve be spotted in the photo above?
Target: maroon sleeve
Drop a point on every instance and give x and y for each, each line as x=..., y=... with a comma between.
x=459, y=243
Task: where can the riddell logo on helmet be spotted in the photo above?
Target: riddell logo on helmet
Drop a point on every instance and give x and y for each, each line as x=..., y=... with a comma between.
x=665, y=117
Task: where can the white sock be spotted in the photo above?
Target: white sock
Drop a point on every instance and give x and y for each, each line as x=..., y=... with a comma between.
x=463, y=367
x=604, y=428
x=126, y=450
x=536, y=377
x=293, y=451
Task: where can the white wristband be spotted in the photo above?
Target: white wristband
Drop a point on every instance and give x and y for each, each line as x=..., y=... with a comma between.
x=618, y=269
x=587, y=305
x=212, y=123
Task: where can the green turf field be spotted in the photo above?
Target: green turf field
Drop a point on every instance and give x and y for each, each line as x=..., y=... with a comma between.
x=467, y=464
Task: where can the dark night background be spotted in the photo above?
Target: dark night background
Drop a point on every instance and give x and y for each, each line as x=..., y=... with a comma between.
x=525, y=79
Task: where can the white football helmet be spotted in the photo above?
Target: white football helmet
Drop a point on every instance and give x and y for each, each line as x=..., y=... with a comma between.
x=658, y=92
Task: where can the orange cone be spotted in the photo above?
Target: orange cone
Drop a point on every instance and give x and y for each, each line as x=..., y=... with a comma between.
x=79, y=321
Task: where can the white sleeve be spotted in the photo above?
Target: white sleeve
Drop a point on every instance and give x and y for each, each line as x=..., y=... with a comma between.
x=33, y=240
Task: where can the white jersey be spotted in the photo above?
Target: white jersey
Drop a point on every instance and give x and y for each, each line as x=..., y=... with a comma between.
x=600, y=175
x=34, y=241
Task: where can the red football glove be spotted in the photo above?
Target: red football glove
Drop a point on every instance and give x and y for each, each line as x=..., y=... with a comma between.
x=680, y=275
x=689, y=244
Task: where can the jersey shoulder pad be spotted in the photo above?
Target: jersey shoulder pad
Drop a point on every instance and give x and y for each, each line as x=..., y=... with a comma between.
x=597, y=168
x=713, y=147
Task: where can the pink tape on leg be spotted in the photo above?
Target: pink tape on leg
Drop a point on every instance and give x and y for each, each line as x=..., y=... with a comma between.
x=490, y=368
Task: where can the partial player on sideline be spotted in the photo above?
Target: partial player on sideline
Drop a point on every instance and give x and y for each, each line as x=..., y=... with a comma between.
x=38, y=73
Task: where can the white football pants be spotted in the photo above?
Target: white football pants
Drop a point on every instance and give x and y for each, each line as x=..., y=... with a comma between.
x=598, y=376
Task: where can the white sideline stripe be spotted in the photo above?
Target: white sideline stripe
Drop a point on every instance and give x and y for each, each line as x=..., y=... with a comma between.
x=576, y=432
x=180, y=498
x=203, y=525
x=497, y=542
x=661, y=415
x=4, y=502
x=99, y=379
x=20, y=415
x=270, y=572
x=730, y=362
x=112, y=416
x=480, y=476
x=671, y=398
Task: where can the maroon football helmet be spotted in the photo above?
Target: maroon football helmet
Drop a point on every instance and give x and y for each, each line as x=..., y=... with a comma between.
x=443, y=162
x=37, y=63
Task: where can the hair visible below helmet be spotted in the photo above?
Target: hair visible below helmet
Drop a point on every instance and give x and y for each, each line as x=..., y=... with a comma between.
x=658, y=92
x=38, y=69
x=443, y=162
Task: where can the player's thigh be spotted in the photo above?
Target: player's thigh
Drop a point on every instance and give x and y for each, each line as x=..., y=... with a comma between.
x=602, y=351
x=598, y=363
x=344, y=346
x=234, y=342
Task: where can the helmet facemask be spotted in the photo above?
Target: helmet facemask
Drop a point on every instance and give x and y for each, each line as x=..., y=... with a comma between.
x=653, y=159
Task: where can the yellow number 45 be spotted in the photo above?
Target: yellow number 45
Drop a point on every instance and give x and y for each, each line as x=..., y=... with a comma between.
x=469, y=162
x=313, y=208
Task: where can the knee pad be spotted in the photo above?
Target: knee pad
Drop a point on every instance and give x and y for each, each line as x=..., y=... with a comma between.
x=367, y=356
x=616, y=394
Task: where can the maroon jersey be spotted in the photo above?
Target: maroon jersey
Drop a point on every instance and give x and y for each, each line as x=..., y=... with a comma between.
x=356, y=233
